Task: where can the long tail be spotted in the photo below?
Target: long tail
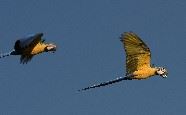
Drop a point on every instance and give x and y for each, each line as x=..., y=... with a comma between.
x=106, y=83
x=6, y=54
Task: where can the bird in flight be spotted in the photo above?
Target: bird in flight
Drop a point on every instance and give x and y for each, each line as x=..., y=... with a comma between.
x=138, y=61
x=30, y=46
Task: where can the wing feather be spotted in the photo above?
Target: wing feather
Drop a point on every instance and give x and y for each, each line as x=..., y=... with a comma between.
x=29, y=41
x=25, y=45
x=25, y=58
x=137, y=52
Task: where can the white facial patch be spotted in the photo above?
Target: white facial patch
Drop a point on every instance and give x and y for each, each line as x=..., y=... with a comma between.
x=51, y=47
x=162, y=72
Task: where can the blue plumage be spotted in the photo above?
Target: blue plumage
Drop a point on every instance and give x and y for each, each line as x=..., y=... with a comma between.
x=27, y=41
x=25, y=45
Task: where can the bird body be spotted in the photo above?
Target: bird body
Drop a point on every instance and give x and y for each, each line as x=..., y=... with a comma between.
x=39, y=48
x=138, y=61
x=143, y=73
x=30, y=46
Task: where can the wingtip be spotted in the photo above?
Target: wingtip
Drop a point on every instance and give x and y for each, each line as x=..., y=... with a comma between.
x=39, y=34
x=122, y=36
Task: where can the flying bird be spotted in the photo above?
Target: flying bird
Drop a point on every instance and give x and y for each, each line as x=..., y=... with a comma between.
x=138, y=61
x=30, y=46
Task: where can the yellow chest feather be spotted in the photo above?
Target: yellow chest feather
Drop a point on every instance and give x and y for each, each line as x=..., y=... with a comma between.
x=39, y=48
x=144, y=73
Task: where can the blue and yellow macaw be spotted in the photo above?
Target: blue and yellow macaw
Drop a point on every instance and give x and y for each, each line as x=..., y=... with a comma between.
x=30, y=46
x=138, y=61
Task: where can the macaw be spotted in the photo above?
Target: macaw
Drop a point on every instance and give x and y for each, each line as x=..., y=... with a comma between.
x=30, y=46
x=138, y=65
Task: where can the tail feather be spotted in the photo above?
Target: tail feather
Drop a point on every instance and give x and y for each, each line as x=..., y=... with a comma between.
x=6, y=54
x=106, y=83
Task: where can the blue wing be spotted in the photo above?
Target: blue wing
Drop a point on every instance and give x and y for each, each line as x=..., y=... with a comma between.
x=20, y=45
x=29, y=41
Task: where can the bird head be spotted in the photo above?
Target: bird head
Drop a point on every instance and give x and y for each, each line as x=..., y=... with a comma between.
x=50, y=48
x=162, y=72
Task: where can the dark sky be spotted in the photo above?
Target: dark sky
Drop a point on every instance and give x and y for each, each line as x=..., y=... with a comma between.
x=89, y=51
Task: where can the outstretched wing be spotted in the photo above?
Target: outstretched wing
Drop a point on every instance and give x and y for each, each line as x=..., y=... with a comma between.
x=28, y=42
x=137, y=52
